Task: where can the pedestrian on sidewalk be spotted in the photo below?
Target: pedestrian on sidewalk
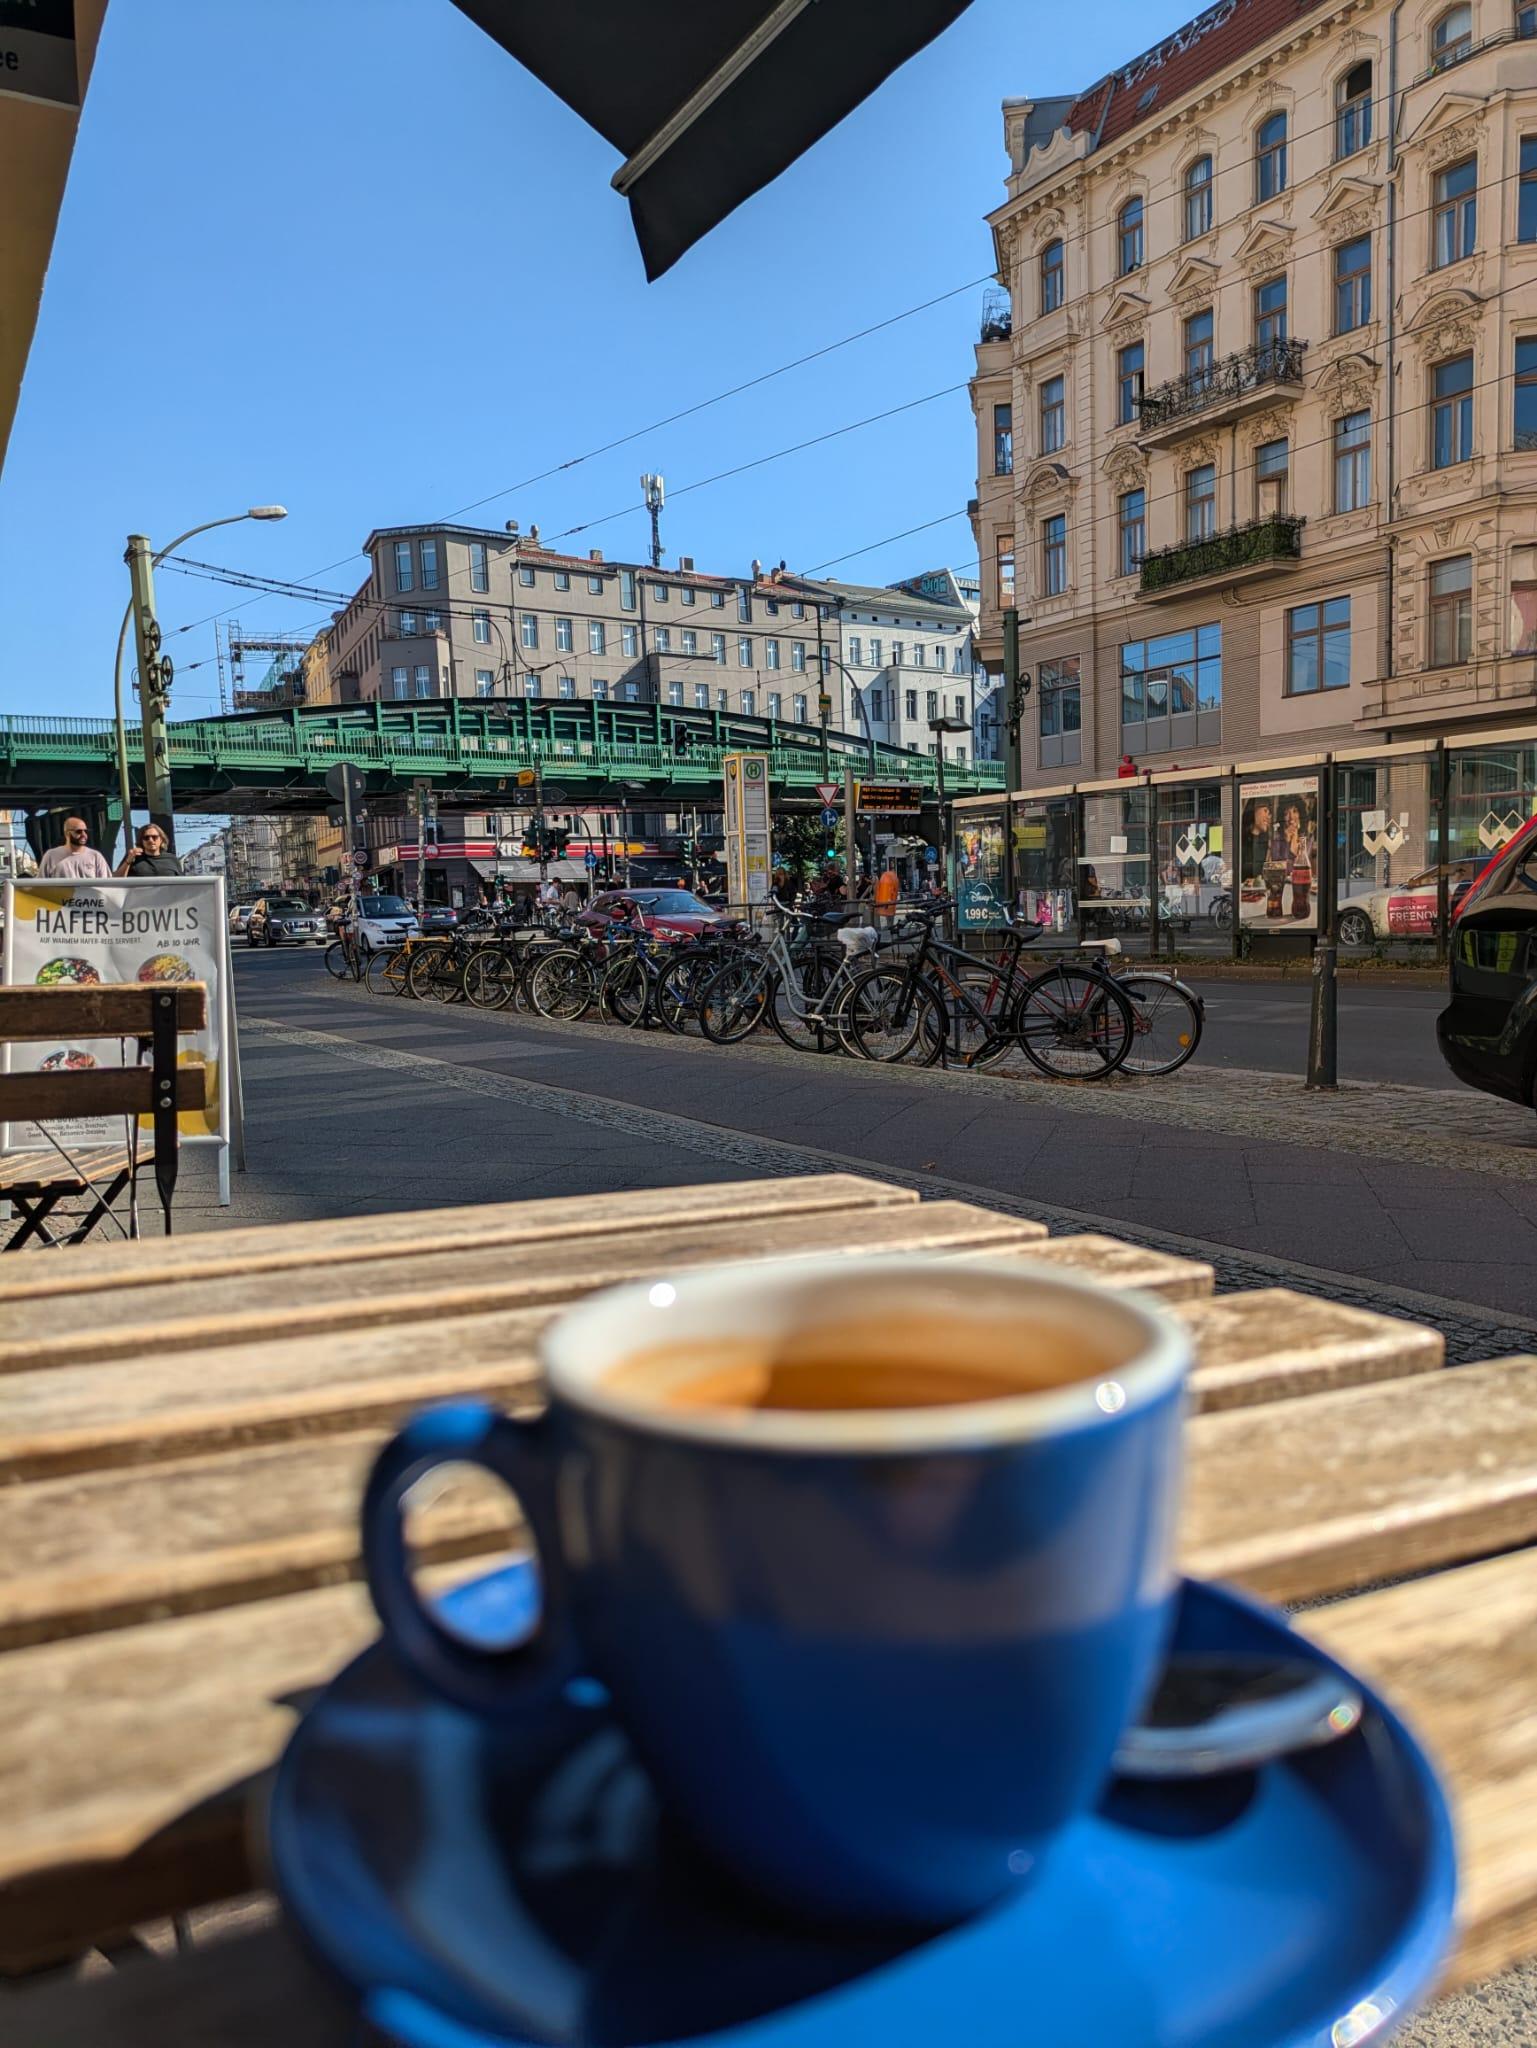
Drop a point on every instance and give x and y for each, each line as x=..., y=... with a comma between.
x=150, y=854
x=76, y=860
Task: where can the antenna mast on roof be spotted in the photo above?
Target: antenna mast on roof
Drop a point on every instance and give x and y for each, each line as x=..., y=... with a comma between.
x=653, y=490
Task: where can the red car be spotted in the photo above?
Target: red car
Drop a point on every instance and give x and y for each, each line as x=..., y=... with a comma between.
x=673, y=913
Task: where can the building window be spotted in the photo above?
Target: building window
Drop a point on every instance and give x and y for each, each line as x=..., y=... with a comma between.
x=797, y=610
x=1176, y=673
x=1451, y=610
x=1270, y=319
x=661, y=637
x=744, y=652
x=485, y=682
x=1198, y=198
x=690, y=640
x=775, y=704
x=1129, y=364
x=629, y=641
x=659, y=593
x=432, y=622
x=421, y=682
x=1128, y=237
x=563, y=639
x=800, y=708
x=771, y=607
x=481, y=629
x=856, y=649
x=1526, y=190
x=1005, y=572
x=1053, y=414
x=1352, y=461
x=562, y=579
x=528, y=629
x=1054, y=555
x=1353, y=110
x=597, y=637
x=630, y=692
x=1523, y=600
x=1198, y=348
x=1272, y=460
x=526, y=575
x=1052, y=281
x=1452, y=37
x=877, y=654
x=594, y=583
x=718, y=647
x=1201, y=502
x=1318, y=647
x=533, y=686
x=675, y=693
x=1003, y=440
x=1525, y=420
x=771, y=654
x=918, y=655
x=1454, y=217
x=723, y=700
x=1132, y=526
x=1352, y=284
x=749, y=703
x=877, y=705
x=429, y=565
x=687, y=593
x=405, y=568
x=898, y=653
x=480, y=569
x=931, y=704
x=406, y=625
x=744, y=604
x=1061, y=697
x=1270, y=158
x=717, y=600
x=910, y=702
x=1451, y=412
x=798, y=656
x=400, y=681
x=565, y=686
x=600, y=689
x=1526, y=21
x=701, y=696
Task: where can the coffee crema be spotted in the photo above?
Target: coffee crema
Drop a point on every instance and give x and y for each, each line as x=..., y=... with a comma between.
x=921, y=1361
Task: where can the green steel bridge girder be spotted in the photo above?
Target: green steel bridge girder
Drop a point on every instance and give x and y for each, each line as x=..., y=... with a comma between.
x=471, y=752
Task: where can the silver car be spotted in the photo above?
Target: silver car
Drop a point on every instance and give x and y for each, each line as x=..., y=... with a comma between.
x=285, y=920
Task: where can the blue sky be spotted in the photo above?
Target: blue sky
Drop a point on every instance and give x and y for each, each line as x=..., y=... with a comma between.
x=347, y=255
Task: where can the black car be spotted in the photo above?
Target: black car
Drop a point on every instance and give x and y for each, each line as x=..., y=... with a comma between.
x=285, y=920
x=1488, y=1031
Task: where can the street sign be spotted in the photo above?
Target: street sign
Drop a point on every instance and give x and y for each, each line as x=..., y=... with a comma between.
x=887, y=796
x=527, y=777
x=361, y=859
x=931, y=856
x=829, y=792
x=830, y=817
x=343, y=779
x=590, y=860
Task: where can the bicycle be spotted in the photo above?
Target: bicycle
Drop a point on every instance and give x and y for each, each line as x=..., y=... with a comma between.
x=764, y=982
x=388, y=970
x=344, y=957
x=627, y=992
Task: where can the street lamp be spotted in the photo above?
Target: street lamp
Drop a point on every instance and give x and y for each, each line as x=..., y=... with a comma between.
x=939, y=727
x=154, y=689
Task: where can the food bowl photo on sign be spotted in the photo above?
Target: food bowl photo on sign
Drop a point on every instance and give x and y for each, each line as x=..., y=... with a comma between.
x=167, y=967
x=65, y=969
x=68, y=1059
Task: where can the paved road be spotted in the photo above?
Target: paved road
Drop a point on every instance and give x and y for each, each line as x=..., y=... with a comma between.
x=1385, y=1034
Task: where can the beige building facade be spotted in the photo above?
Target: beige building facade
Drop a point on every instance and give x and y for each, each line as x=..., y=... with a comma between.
x=1257, y=430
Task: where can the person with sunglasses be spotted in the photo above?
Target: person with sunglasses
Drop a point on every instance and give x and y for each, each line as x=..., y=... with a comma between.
x=150, y=854
x=76, y=860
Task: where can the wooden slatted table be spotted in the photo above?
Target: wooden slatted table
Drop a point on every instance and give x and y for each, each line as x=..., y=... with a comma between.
x=184, y=1427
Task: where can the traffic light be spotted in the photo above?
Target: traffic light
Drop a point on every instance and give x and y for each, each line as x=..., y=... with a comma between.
x=556, y=839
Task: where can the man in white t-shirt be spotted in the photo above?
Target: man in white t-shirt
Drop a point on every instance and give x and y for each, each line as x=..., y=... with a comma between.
x=549, y=893
x=76, y=860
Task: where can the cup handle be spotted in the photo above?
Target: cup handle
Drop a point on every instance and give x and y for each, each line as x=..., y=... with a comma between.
x=519, y=1679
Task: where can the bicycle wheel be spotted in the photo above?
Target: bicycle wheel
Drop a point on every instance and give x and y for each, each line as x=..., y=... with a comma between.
x=733, y=1001
x=678, y=989
x=1167, y=1023
x=1073, y=1023
x=562, y=985
x=423, y=966
x=624, y=993
x=385, y=973
x=884, y=1018
x=489, y=978
x=337, y=962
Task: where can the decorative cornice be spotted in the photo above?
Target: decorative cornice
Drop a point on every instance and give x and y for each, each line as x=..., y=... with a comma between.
x=1449, y=143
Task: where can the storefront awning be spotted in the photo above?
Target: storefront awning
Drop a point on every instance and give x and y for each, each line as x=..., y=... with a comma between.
x=709, y=104
x=528, y=870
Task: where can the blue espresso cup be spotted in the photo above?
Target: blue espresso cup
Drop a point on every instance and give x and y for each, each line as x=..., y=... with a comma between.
x=874, y=1656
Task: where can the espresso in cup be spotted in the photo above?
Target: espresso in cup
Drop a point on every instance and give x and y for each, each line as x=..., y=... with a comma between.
x=872, y=1555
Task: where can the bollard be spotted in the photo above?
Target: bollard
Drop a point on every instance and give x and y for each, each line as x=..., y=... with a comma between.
x=1323, y=1024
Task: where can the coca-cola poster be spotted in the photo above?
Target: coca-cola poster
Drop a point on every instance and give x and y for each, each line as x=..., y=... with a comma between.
x=1278, y=855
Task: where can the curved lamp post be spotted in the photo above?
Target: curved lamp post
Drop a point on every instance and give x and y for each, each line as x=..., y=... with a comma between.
x=125, y=793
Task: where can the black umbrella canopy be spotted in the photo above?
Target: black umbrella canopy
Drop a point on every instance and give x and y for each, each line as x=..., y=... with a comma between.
x=708, y=99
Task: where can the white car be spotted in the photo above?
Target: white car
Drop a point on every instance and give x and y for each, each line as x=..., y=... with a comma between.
x=1405, y=910
x=240, y=917
x=384, y=921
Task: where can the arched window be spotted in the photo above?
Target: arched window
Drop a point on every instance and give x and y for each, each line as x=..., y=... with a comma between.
x=1270, y=157
x=1052, y=277
x=1130, y=253
x=1451, y=39
x=1198, y=198
x=1353, y=110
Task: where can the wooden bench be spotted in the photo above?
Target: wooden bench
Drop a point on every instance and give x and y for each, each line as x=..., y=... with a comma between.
x=184, y=1428
x=155, y=1013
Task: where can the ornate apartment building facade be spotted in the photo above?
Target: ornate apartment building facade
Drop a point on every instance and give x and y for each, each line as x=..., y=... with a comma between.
x=1257, y=434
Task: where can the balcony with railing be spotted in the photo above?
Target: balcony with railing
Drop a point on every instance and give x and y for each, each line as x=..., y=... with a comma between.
x=1238, y=555
x=1220, y=391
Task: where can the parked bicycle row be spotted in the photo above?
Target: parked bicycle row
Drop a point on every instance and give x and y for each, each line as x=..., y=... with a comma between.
x=824, y=981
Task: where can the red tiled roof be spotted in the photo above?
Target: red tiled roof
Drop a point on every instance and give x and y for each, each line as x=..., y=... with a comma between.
x=1181, y=61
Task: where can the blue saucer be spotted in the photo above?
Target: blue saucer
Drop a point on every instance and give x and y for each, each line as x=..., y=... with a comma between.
x=478, y=1889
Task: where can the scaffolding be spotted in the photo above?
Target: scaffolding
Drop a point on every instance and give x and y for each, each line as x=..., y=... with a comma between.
x=283, y=681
